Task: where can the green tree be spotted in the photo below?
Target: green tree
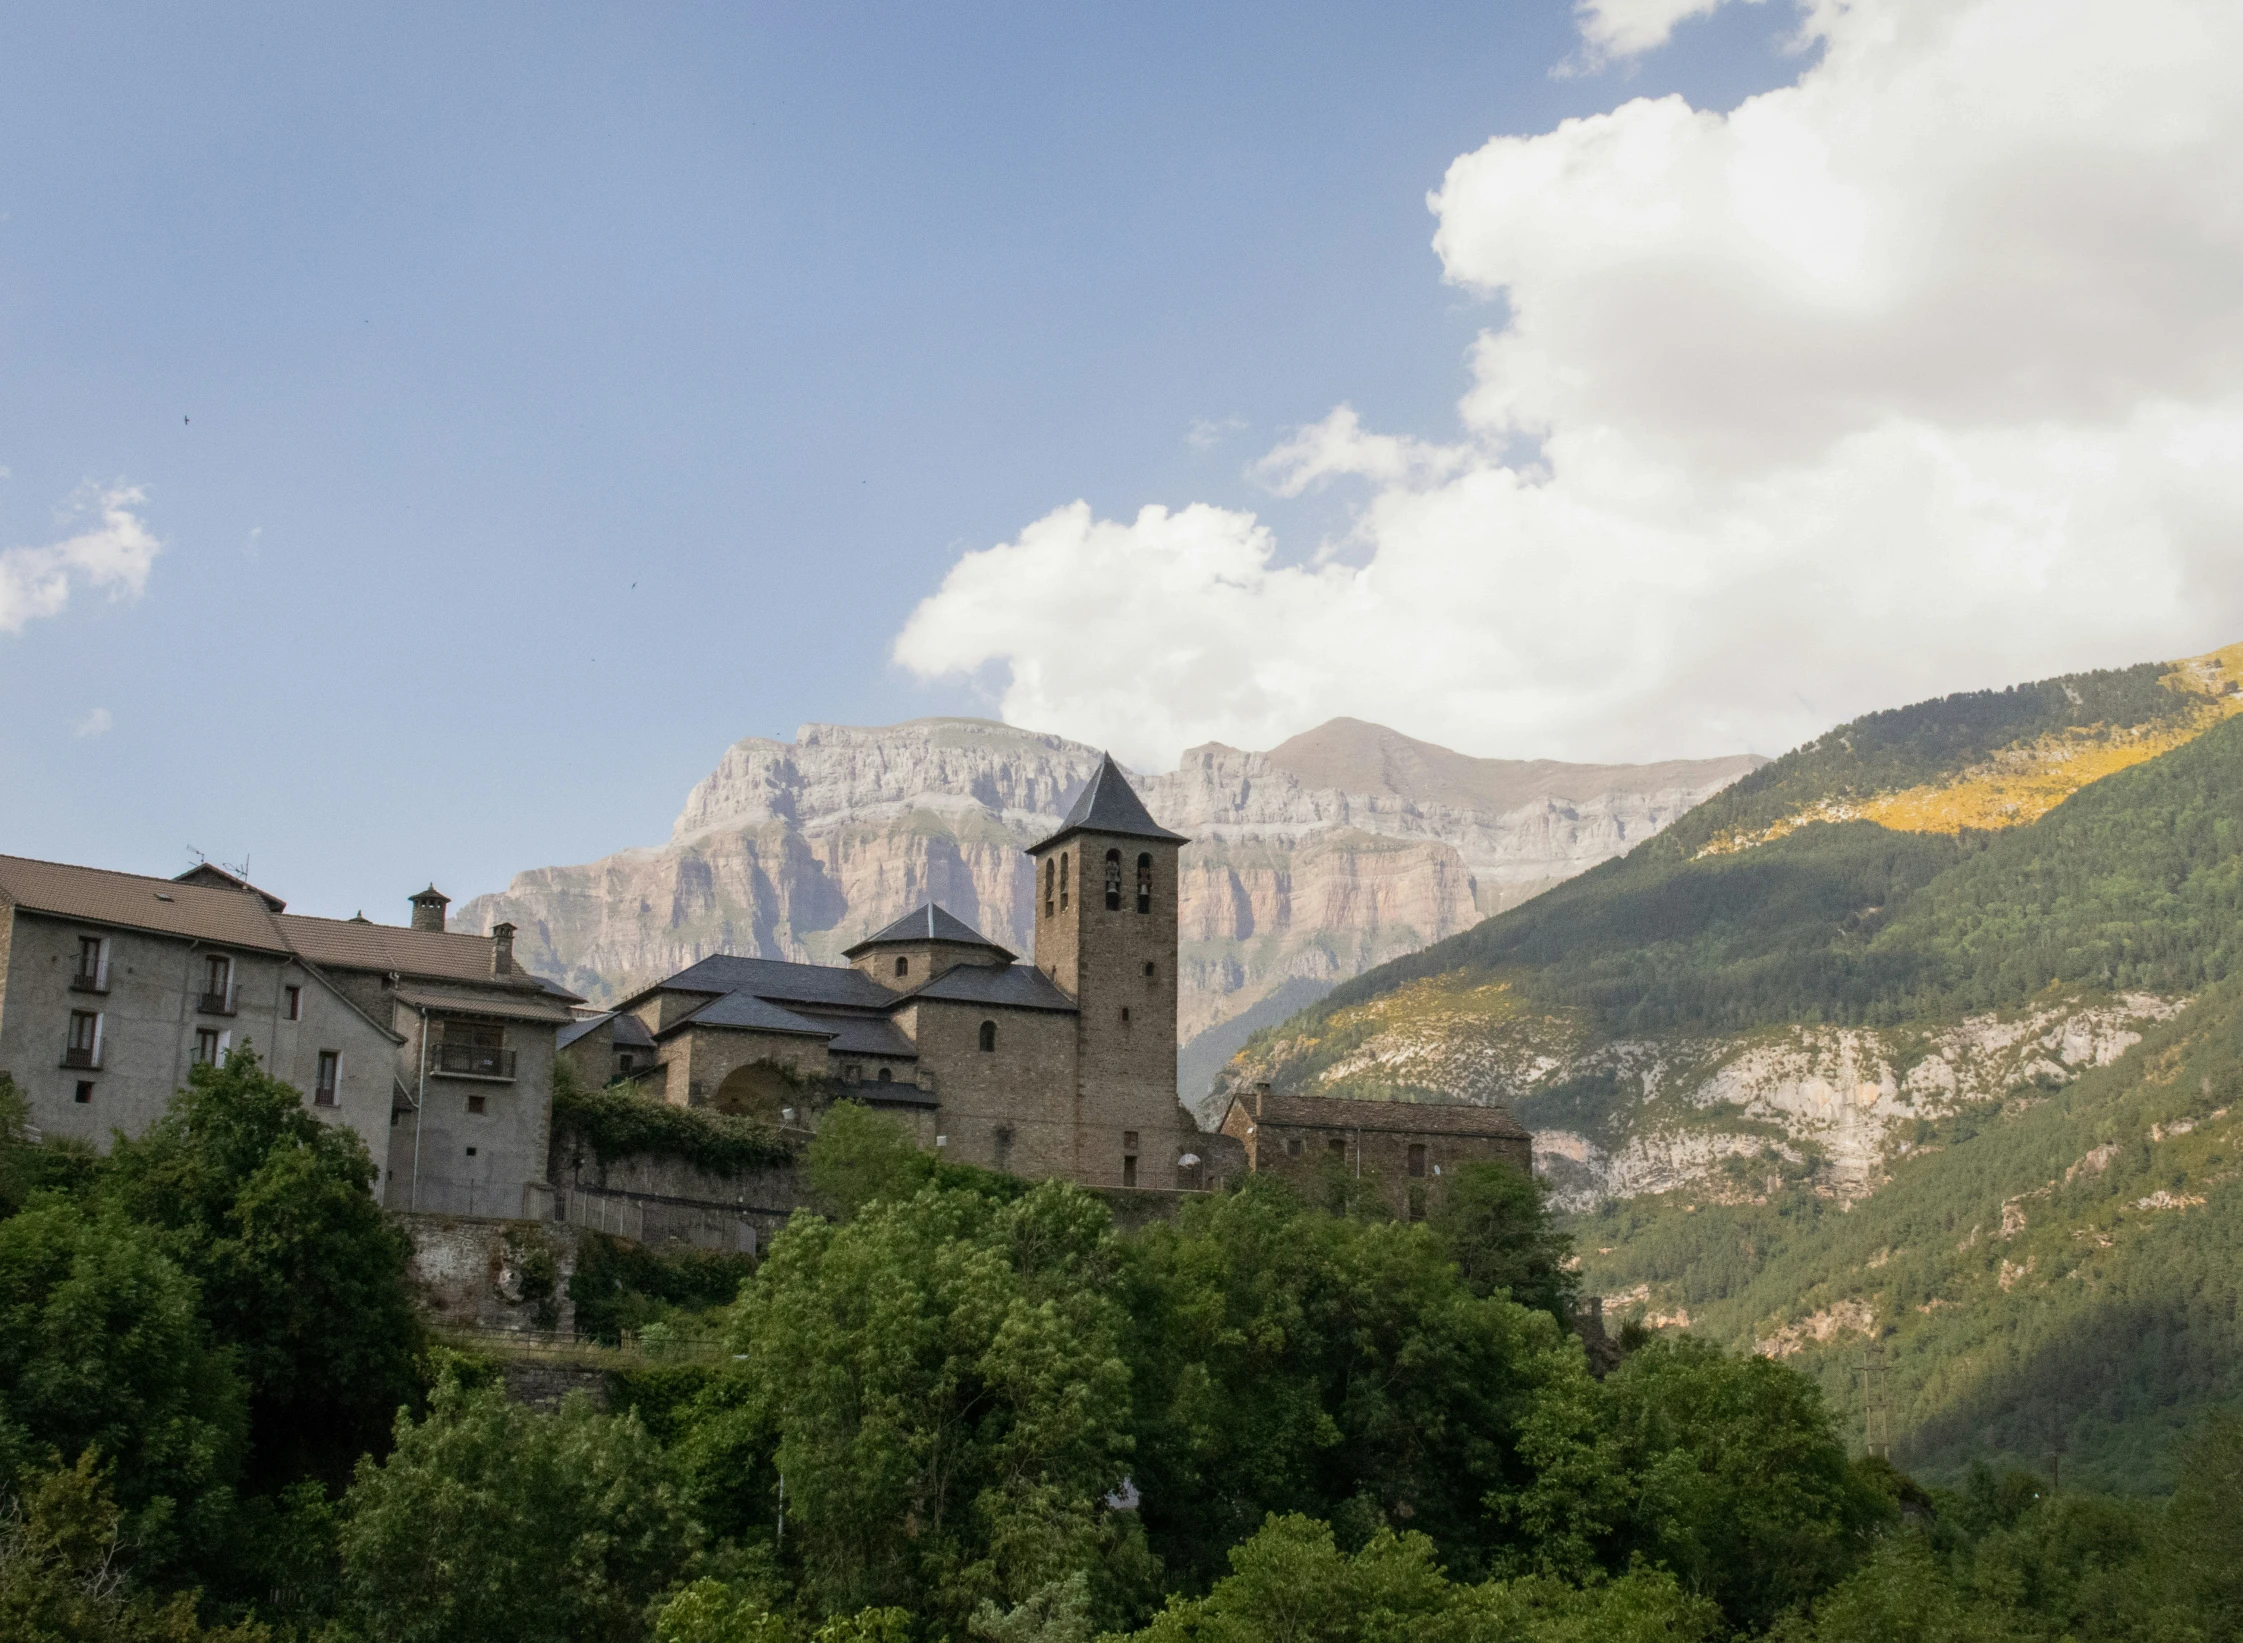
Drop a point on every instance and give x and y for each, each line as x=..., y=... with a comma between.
x=102, y=1352
x=273, y=1213
x=1733, y=1476
x=1494, y=1223
x=491, y=1520
x=943, y=1380
x=1287, y=1361
x=64, y=1577
x=2203, y=1543
x=1903, y=1594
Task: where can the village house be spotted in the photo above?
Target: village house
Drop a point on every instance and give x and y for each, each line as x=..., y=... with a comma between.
x=431, y=1045
x=1406, y=1149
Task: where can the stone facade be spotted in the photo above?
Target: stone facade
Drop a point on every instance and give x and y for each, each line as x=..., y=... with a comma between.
x=1405, y=1150
x=430, y=1045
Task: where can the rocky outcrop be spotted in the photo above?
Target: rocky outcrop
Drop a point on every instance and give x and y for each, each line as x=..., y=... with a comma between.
x=1310, y=863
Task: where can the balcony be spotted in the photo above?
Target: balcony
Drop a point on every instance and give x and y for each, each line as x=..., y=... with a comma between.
x=472, y=1061
x=87, y=984
x=81, y=1060
x=216, y=1004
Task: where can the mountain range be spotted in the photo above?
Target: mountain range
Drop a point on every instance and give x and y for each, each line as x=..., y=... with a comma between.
x=1309, y=863
x=1914, y=1057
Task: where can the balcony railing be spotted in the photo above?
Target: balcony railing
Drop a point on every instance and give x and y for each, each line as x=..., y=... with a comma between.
x=217, y=1004
x=473, y=1061
x=82, y=1060
x=87, y=984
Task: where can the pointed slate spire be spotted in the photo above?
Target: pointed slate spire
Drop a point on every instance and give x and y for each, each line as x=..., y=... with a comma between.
x=1110, y=805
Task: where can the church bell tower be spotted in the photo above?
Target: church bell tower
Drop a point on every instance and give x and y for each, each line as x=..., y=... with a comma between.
x=1106, y=896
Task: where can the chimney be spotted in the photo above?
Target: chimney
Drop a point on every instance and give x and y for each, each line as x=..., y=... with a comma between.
x=1261, y=1094
x=502, y=949
x=428, y=909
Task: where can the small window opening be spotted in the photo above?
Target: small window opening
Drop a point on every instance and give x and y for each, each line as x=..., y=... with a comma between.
x=1125, y=1015
x=85, y=1092
x=1129, y=1140
x=1063, y=876
x=852, y=1074
x=903, y=966
x=295, y=1002
x=1129, y=1170
x=1113, y=881
x=1417, y=1159
x=1151, y=969
x=471, y=1152
x=1336, y=1147
x=887, y=1075
x=1292, y=1146
x=988, y=1035
x=1047, y=886
x=1145, y=882
x=330, y=1074
x=478, y=1103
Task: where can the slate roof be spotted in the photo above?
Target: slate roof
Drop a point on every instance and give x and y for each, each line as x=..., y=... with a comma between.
x=631, y=1034
x=870, y=1035
x=757, y=1014
x=1330, y=1112
x=1019, y=986
x=582, y=1028
x=776, y=979
x=1110, y=805
x=924, y=923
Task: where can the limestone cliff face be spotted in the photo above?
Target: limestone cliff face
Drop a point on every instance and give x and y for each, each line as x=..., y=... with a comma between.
x=1309, y=863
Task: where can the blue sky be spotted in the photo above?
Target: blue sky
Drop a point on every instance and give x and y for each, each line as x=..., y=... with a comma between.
x=529, y=401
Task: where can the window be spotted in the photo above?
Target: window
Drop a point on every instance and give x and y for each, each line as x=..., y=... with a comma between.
x=1336, y=1147
x=206, y=1046
x=988, y=1035
x=471, y=1152
x=1063, y=875
x=1125, y=1015
x=84, y=1049
x=1417, y=1159
x=93, y=966
x=623, y=1061
x=1145, y=882
x=292, y=1003
x=1151, y=969
x=478, y=1103
x=1113, y=881
x=852, y=1074
x=887, y=1075
x=1047, y=886
x=1129, y=1140
x=85, y=1092
x=475, y=1048
x=1292, y=1146
x=903, y=966
x=330, y=1074
x=218, y=985
x=1129, y=1170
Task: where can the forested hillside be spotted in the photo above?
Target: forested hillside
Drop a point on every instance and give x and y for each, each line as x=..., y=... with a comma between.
x=1853, y=1008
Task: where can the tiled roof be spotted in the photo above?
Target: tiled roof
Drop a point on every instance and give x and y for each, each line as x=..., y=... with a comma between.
x=922, y=924
x=195, y=912
x=516, y=1005
x=1110, y=805
x=217, y=878
x=1021, y=986
x=437, y=955
x=776, y=979
x=747, y=1010
x=1406, y=1117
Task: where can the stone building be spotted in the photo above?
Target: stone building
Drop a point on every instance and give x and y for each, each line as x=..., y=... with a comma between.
x=1406, y=1148
x=431, y=1045
x=1064, y=1066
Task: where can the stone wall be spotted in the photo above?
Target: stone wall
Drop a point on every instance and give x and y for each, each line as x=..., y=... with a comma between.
x=477, y=1273
x=1407, y=1168
x=1011, y=1108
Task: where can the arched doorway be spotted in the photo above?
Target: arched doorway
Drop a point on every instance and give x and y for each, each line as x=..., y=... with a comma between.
x=759, y=1090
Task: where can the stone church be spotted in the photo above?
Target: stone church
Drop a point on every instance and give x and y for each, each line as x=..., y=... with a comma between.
x=1064, y=1065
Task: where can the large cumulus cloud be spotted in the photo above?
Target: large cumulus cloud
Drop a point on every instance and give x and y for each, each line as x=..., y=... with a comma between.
x=1922, y=373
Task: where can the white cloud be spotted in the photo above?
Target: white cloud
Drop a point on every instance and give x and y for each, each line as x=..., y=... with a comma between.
x=1628, y=28
x=113, y=553
x=1206, y=433
x=1921, y=374
x=96, y=723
